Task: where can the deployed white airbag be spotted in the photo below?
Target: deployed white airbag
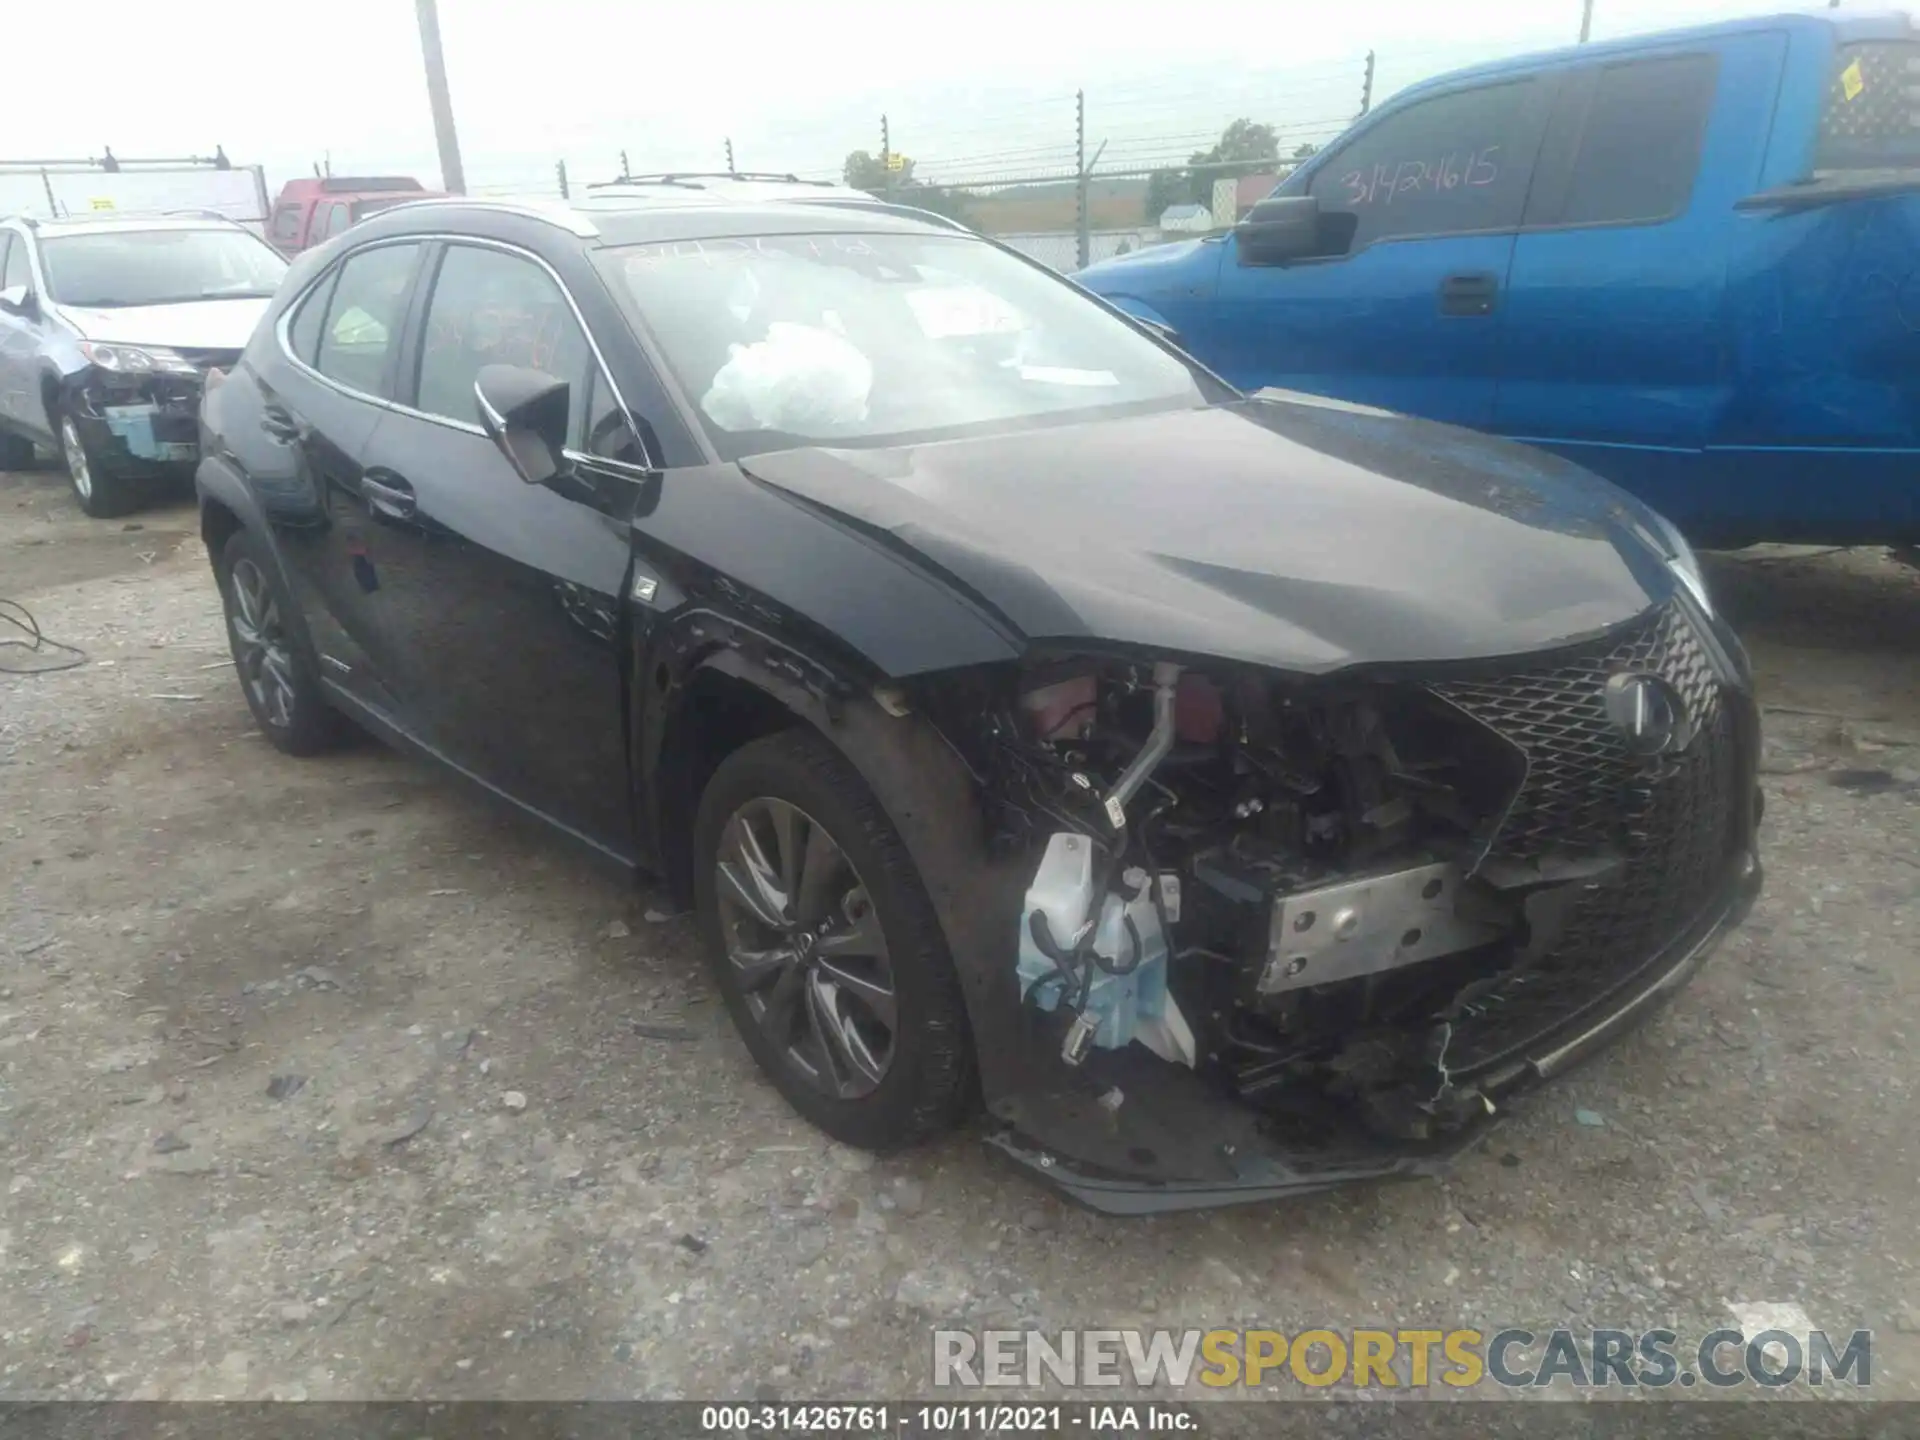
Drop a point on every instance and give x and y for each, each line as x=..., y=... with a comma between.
x=800, y=379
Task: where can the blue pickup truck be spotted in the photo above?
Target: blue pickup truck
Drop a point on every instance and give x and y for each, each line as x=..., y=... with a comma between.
x=1688, y=261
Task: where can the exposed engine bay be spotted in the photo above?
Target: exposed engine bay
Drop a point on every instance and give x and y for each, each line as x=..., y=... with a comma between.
x=1291, y=890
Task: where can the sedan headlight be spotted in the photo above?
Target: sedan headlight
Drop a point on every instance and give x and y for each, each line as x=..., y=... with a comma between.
x=137, y=359
x=1678, y=554
x=1686, y=568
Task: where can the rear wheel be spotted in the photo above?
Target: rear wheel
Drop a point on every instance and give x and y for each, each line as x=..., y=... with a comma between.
x=826, y=947
x=100, y=494
x=275, y=676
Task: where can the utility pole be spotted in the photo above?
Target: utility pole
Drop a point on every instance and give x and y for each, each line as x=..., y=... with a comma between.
x=560, y=170
x=730, y=169
x=1366, y=83
x=1586, y=20
x=886, y=158
x=1082, y=219
x=452, y=178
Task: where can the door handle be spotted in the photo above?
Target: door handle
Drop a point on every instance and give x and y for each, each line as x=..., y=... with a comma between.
x=387, y=495
x=280, y=425
x=1470, y=294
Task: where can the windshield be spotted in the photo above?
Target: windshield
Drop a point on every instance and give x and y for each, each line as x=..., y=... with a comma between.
x=788, y=340
x=159, y=267
x=1872, y=116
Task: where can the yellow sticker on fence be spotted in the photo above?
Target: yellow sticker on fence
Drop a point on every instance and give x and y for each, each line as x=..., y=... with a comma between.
x=101, y=202
x=1852, y=82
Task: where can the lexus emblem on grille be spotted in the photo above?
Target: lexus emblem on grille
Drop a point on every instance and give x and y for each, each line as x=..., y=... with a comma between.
x=1648, y=713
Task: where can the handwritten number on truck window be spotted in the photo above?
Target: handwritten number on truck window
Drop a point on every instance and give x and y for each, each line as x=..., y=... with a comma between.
x=1476, y=168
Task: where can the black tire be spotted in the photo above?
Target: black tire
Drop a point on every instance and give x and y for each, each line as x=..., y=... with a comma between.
x=928, y=1085
x=16, y=452
x=276, y=673
x=100, y=494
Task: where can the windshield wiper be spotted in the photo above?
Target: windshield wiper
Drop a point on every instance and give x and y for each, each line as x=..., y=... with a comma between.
x=237, y=292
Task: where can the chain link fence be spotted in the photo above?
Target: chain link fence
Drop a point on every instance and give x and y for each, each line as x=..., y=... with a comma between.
x=1068, y=179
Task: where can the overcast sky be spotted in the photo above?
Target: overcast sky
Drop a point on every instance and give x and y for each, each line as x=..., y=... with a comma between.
x=972, y=90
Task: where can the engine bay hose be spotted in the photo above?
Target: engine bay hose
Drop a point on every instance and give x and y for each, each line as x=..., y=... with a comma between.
x=1166, y=676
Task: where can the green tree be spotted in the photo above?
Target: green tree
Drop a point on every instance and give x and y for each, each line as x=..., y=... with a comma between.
x=1243, y=148
x=1164, y=188
x=1305, y=150
x=864, y=170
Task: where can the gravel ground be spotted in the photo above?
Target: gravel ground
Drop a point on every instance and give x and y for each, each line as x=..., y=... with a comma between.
x=324, y=1079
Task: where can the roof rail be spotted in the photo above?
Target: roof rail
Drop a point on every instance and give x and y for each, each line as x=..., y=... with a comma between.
x=112, y=163
x=691, y=179
x=555, y=212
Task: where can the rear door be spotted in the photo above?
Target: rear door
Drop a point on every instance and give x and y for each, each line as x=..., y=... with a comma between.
x=497, y=602
x=1615, y=352
x=324, y=396
x=1409, y=315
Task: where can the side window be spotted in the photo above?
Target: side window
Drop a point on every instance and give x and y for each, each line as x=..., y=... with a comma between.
x=365, y=316
x=336, y=218
x=1870, y=120
x=18, y=264
x=1453, y=164
x=286, y=223
x=490, y=307
x=303, y=334
x=1639, y=143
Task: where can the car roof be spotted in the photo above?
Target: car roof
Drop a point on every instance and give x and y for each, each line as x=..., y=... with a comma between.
x=1849, y=25
x=636, y=211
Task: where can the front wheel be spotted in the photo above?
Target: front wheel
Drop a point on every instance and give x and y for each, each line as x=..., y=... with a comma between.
x=100, y=494
x=826, y=948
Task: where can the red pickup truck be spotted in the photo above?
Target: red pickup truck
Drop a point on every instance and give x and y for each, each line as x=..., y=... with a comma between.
x=309, y=211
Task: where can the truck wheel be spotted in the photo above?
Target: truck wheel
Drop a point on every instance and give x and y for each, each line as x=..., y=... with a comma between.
x=101, y=495
x=826, y=948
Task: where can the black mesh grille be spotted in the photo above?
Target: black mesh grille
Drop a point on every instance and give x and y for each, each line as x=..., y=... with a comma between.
x=1585, y=792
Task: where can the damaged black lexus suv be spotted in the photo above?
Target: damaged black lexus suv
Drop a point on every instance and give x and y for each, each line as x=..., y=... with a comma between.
x=1236, y=795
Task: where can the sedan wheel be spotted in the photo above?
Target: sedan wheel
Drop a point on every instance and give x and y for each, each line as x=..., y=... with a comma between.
x=826, y=947
x=802, y=937
x=76, y=453
x=100, y=495
x=260, y=645
x=274, y=674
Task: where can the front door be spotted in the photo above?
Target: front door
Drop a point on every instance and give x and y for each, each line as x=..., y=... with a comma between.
x=1408, y=314
x=22, y=337
x=497, y=602
x=1614, y=349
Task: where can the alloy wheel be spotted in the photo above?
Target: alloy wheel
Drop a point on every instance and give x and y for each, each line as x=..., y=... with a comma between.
x=260, y=644
x=76, y=454
x=806, y=946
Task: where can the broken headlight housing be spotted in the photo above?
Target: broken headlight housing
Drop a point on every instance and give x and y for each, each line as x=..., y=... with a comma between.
x=137, y=359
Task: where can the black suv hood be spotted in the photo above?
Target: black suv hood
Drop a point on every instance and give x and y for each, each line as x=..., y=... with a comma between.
x=1286, y=531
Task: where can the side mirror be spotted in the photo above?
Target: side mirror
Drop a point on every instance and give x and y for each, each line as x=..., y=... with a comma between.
x=1280, y=229
x=18, y=300
x=525, y=412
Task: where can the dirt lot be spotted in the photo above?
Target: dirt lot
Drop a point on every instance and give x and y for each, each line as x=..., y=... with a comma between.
x=322, y=1079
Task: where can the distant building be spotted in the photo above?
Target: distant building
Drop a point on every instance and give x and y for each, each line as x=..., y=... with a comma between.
x=1186, y=219
x=1250, y=190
